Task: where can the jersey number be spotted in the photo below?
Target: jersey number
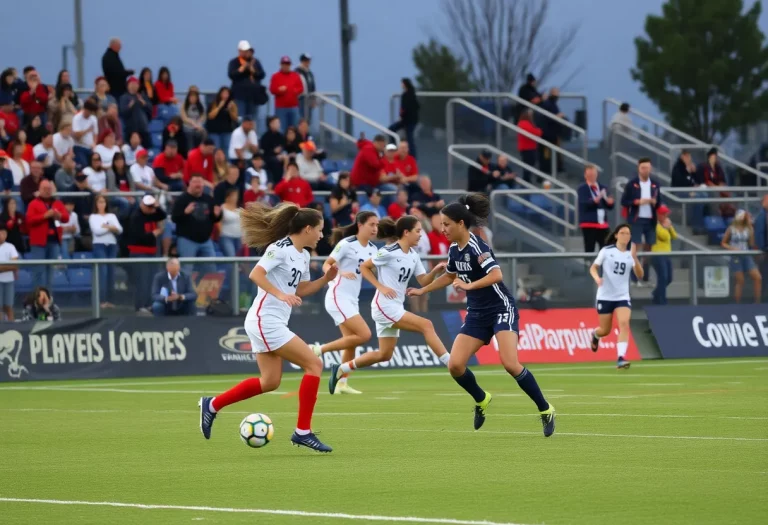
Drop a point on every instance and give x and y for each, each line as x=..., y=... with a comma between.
x=404, y=275
x=619, y=268
x=464, y=278
x=295, y=277
x=503, y=318
x=283, y=243
x=359, y=262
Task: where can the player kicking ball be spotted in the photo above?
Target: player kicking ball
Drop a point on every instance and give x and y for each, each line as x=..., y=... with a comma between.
x=491, y=309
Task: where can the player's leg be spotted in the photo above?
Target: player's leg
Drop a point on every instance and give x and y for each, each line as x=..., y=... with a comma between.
x=348, y=354
x=464, y=347
x=387, y=341
x=623, y=315
x=422, y=325
x=605, y=324
x=354, y=331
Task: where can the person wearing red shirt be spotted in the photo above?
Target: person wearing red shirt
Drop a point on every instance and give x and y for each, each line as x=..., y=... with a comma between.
x=525, y=145
x=400, y=207
x=45, y=215
x=368, y=168
x=200, y=160
x=9, y=121
x=406, y=163
x=438, y=242
x=286, y=86
x=34, y=100
x=293, y=188
x=169, y=167
x=389, y=163
x=164, y=88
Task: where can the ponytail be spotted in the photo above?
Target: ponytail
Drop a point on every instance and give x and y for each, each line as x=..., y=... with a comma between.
x=343, y=232
x=387, y=229
x=262, y=225
x=472, y=210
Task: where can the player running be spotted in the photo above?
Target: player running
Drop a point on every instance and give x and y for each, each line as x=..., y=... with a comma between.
x=353, y=247
x=491, y=309
x=617, y=261
x=395, y=263
x=282, y=275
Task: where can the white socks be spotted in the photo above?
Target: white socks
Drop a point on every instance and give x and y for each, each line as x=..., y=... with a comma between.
x=346, y=368
x=302, y=432
x=445, y=358
x=622, y=349
x=210, y=405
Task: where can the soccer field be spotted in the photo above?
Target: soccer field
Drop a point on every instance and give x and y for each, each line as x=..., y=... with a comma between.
x=663, y=442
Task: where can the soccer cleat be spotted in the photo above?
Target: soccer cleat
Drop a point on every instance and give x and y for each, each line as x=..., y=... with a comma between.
x=310, y=441
x=206, y=416
x=622, y=363
x=480, y=409
x=595, y=342
x=334, y=379
x=344, y=388
x=548, y=421
x=317, y=350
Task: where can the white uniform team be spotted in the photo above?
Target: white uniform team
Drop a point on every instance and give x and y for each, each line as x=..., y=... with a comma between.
x=342, y=297
x=267, y=321
x=395, y=270
x=617, y=267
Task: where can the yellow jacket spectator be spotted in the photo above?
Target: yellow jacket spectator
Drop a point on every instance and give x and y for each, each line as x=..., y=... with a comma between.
x=662, y=264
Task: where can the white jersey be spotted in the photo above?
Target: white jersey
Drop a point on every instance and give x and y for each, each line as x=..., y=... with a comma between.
x=395, y=270
x=286, y=267
x=349, y=254
x=617, y=269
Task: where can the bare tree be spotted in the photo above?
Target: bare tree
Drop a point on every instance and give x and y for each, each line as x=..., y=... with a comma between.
x=504, y=40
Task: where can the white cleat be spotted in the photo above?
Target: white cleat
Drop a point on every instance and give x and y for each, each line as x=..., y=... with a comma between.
x=317, y=350
x=344, y=388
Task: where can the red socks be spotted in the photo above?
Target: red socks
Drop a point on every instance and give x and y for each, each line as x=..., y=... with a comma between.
x=242, y=391
x=307, y=399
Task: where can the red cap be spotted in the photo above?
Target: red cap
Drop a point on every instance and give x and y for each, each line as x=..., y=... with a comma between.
x=141, y=152
x=285, y=60
x=3, y=154
x=662, y=209
x=132, y=79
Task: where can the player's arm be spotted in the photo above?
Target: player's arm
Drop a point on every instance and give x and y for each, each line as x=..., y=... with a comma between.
x=593, y=270
x=311, y=287
x=441, y=282
x=428, y=278
x=637, y=266
x=491, y=278
x=366, y=269
x=259, y=276
x=330, y=261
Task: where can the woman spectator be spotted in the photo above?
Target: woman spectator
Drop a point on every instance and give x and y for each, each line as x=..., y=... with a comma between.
x=220, y=166
x=146, y=86
x=222, y=119
x=35, y=131
x=272, y=143
x=175, y=131
x=662, y=265
x=102, y=96
x=164, y=88
x=121, y=176
x=740, y=236
x=64, y=79
x=14, y=223
x=409, y=114
x=712, y=173
x=16, y=163
x=110, y=120
x=292, y=143
x=96, y=174
x=343, y=201
x=105, y=228
x=27, y=152
x=10, y=83
x=60, y=107
x=39, y=306
x=193, y=116
x=130, y=149
x=525, y=145
x=229, y=240
x=106, y=148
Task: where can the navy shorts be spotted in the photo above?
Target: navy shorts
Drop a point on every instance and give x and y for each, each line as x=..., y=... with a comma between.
x=607, y=307
x=484, y=326
x=643, y=228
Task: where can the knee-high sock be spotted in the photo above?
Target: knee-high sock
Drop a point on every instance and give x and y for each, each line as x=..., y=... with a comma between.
x=528, y=384
x=468, y=382
x=307, y=399
x=240, y=392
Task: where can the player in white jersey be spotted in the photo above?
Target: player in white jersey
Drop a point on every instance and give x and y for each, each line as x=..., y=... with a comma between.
x=282, y=275
x=616, y=262
x=352, y=247
x=395, y=264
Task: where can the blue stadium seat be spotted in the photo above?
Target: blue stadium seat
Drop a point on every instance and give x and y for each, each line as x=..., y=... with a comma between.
x=714, y=224
x=166, y=111
x=156, y=126
x=157, y=141
x=61, y=282
x=327, y=210
x=25, y=281
x=82, y=255
x=329, y=166
x=79, y=279
x=345, y=165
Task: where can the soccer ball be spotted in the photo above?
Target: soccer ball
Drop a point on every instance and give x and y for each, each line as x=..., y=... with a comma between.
x=256, y=430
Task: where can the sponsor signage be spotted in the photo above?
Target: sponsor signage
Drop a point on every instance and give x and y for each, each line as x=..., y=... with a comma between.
x=551, y=336
x=716, y=281
x=710, y=331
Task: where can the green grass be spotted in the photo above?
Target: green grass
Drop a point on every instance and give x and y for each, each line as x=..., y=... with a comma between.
x=664, y=442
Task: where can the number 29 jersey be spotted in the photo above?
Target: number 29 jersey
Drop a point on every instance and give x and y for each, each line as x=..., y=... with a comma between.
x=395, y=269
x=617, y=269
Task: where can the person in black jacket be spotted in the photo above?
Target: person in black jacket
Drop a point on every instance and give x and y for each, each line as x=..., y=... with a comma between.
x=114, y=70
x=194, y=214
x=308, y=79
x=141, y=230
x=479, y=179
x=246, y=74
x=685, y=175
x=528, y=92
x=409, y=114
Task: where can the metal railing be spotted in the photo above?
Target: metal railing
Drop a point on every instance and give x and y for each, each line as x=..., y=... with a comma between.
x=657, y=124
x=692, y=196
x=655, y=172
x=354, y=114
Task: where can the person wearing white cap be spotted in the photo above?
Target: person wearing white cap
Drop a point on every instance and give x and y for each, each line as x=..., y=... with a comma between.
x=308, y=80
x=142, y=229
x=246, y=74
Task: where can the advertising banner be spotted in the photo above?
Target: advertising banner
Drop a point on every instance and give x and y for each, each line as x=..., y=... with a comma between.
x=551, y=336
x=734, y=330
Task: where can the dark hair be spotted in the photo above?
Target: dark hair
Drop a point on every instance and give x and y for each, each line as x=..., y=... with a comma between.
x=379, y=138
x=160, y=72
x=61, y=74
x=32, y=299
x=90, y=105
x=611, y=239
x=4, y=76
x=221, y=90
x=262, y=225
x=229, y=192
x=624, y=107
x=198, y=104
x=389, y=229
x=208, y=141
x=472, y=210
x=271, y=119
x=643, y=160
x=27, y=69
x=60, y=88
x=342, y=175
x=352, y=229
x=119, y=156
x=408, y=85
x=141, y=75
x=96, y=199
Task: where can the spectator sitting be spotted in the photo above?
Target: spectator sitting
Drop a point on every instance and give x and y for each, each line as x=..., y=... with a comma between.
x=303, y=135
x=39, y=306
x=194, y=214
x=390, y=164
x=374, y=203
x=113, y=69
x=621, y=121
x=424, y=198
x=34, y=98
x=169, y=167
x=243, y=143
x=293, y=188
x=343, y=201
x=107, y=148
x=45, y=154
x=27, y=152
x=85, y=126
x=526, y=146
x=594, y=203
x=45, y=214
x=311, y=170
x=110, y=120
x=105, y=228
x=65, y=176
x=60, y=107
x=400, y=207
x=35, y=130
x=222, y=119
x=173, y=292
x=193, y=116
x=406, y=163
x=684, y=174
x=231, y=182
x=8, y=272
x=144, y=176
x=64, y=78
x=272, y=143
x=31, y=183
x=287, y=87
x=131, y=147
x=97, y=175
x=479, y=179
x=70, y=230
x=409, y=113
x=662, y=265
x=740, y=236
x=123, y=181
x=18, y=166
x=8, y=117
x=83, y=205
x=6, y=177
x=712, y=173
x=502, y=176
x=164, y=89
x=368, y=168
x=438, y=242
x=174, y=131
x=142, y=230
x=63, y=143
x=11, y=84
x=200, y=160
x=147, y=87
x=136, y=112
x=220, y=166
x=292, y=144
x=256, y=176
x=102, y=96
x=246, y=74
x=14, y=224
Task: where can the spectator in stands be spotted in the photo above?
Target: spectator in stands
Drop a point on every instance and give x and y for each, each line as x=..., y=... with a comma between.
x=272, y=143
x=502, y=177
x=102, y=96
x=82, y=205
x=306, y=101
x=60, y=106
x=303, y=135
x=529, y=92
x=389, y=163
x=173, y=292
x=551, y=131
x=740, y=236
x=286, y=86
x=478, y=178
x=144, y=176
x=231, y=182
x=110, y=120
x=147, y=87
x=174, y=132
x=64, y=78
x=621, y=121
x=45, y=214
x=293, y=188
x=374, y=203
x=594, y=203
x=662, y=265
x=229, y=240
x=9, y=121
x=293, y=145
x=113, y=69
x=65, y=176
x=438, y=242
x=39, y=306
x=684, y=174
x=105, y=228
x=96, y=174
x=311, y=170
x=85, y=127
x=121, y=175
x=136, y=112
x=45, y=154
x=243, y=143
x=131, y=147
x=195, y=214
x=63, y=143
x=409, y=170
x=256, y=176
x=424, y=198
x=169, y=167
x=368, y=169
x=642, y=197
x=400, y=207
x=142, y=229
x=8, y=272
x=200, y=160
x=343, y=201
x=107, y=148
x=220, y=166
x=14, y=223
x=6, y=177
x=164, y=90
x=526, y=146
x=761, y=238
x=70, y=230
x=222, y=119
x=34, y=98
x=193, y=116
x=246, y=74
x=712, y=174
x=18, y=166
x=35, y=130
x=31, y=183
x=409, y=114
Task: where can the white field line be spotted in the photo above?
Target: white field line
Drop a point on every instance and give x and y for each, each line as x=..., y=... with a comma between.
x=274, y=512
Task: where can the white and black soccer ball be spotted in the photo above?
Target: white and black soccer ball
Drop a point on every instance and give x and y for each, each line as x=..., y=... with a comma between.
x=256, y=430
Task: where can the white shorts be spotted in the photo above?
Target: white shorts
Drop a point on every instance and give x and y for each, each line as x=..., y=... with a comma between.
x=266, y=338
x=386, y=314
x=340, y=308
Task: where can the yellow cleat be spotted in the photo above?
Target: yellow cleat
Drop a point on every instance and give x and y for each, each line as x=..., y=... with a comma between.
x=344, y=388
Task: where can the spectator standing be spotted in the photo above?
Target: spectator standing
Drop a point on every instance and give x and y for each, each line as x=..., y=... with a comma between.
x=594, y=203
x=200, y=160
x=684, y=174
x=306, y=100
x=44, y=217
x=195, y=214
x=82, y=205
x=173, y=292
x=8, y=272
x=131, y=147
x=311, y=170
x=662, y=265
x=65, y=176
x=105, y=228
x=142, y=229
x=193, y=116
x=14, y=224
x=272, y=143
x=293, y=188
x=9, y=120
x=286, y=86
x=102, y=96
x=165, y=91
x=230, y=238
x=63, y=143
x=110, y=120
x=107, y=148
x=527, y=146
x=761, y=239
x=374, y=203
x=70, y=230
x=112, y=66
x=343, y=201
x=174, y=131
x=169, y=167
x=642, y=197
x=368, y=168
x=60, y=106
x=243, y=143
x=400, y=207
x=621, y=121
x=246, y=74
x=31, y=183
x=40, y=306
x=529, y=92
x=144, y=176
x=231, y=182
x=551, y=131
x=222, y=119
x=740, y=236
x=409, y=113
x=406, y=163
x=34, y=98
x=502, y=176
x=712, y=174
x=136, y=112
x=479, y=177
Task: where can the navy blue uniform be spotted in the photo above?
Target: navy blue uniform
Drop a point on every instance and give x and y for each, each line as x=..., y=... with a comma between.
x=490, y=309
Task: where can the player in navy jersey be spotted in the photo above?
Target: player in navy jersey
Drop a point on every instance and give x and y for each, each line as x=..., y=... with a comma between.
x=491, y=309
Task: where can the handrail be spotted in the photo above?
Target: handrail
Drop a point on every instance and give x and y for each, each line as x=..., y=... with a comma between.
x=720, y=156
x=655, y=122
x=670, y=192
x=620, y=133
x=352, y=113
x=515, y=194
x=655, y=172
x=497, y=216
